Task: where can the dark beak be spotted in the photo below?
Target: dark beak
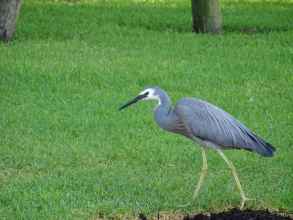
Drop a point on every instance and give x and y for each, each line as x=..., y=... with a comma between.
x=136, y=99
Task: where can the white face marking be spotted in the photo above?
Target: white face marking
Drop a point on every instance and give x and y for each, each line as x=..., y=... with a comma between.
x=151, y=95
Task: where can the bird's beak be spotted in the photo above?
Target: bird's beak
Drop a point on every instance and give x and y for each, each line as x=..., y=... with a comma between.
x=136, y=99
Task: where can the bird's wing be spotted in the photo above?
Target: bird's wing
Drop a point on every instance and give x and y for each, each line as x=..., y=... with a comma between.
x=210, y=123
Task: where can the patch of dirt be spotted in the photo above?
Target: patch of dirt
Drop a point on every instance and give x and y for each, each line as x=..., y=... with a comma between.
x=233, y=214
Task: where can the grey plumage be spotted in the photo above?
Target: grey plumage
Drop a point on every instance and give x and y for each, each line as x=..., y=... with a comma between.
x=213, y=125
x=205, y=124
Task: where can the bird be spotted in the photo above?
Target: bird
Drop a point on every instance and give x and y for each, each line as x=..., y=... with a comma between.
x=206, y=125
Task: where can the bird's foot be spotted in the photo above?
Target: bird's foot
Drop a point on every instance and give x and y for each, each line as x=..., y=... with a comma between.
x=243, y=200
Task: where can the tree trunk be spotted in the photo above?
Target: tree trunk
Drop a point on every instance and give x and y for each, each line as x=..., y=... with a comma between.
x=206, y=16
x=9, y=10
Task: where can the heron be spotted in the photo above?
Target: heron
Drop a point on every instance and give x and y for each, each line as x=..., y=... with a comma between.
x=206, y=125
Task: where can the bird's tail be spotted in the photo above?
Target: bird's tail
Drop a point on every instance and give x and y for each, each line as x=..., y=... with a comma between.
x=262, y=147
x=267, y=150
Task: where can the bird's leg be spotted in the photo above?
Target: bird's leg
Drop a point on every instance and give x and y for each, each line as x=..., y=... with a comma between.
x=231, y=166
x=204, y=171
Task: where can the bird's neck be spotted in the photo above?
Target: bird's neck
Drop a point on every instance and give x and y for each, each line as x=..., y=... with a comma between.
x=164, y=113
x=164, y=103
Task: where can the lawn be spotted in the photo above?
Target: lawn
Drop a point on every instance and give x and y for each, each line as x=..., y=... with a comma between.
x=66, y=152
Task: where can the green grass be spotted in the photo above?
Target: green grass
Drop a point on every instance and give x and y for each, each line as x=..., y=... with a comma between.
x=67, y=153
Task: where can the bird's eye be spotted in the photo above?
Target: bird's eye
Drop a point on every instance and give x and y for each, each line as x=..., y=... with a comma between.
x=146, y=93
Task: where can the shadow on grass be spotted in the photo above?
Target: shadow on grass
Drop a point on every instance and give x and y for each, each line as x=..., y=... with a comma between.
x=62, y=21
x=255, y=29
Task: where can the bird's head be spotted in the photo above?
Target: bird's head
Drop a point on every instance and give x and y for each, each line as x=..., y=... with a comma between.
x=149, y=93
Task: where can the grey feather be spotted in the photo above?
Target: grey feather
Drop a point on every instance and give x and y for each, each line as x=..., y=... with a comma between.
x=213, y=125
x=208, y=125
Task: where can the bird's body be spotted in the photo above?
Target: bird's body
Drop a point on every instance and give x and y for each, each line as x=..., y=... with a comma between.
x=207, y=125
